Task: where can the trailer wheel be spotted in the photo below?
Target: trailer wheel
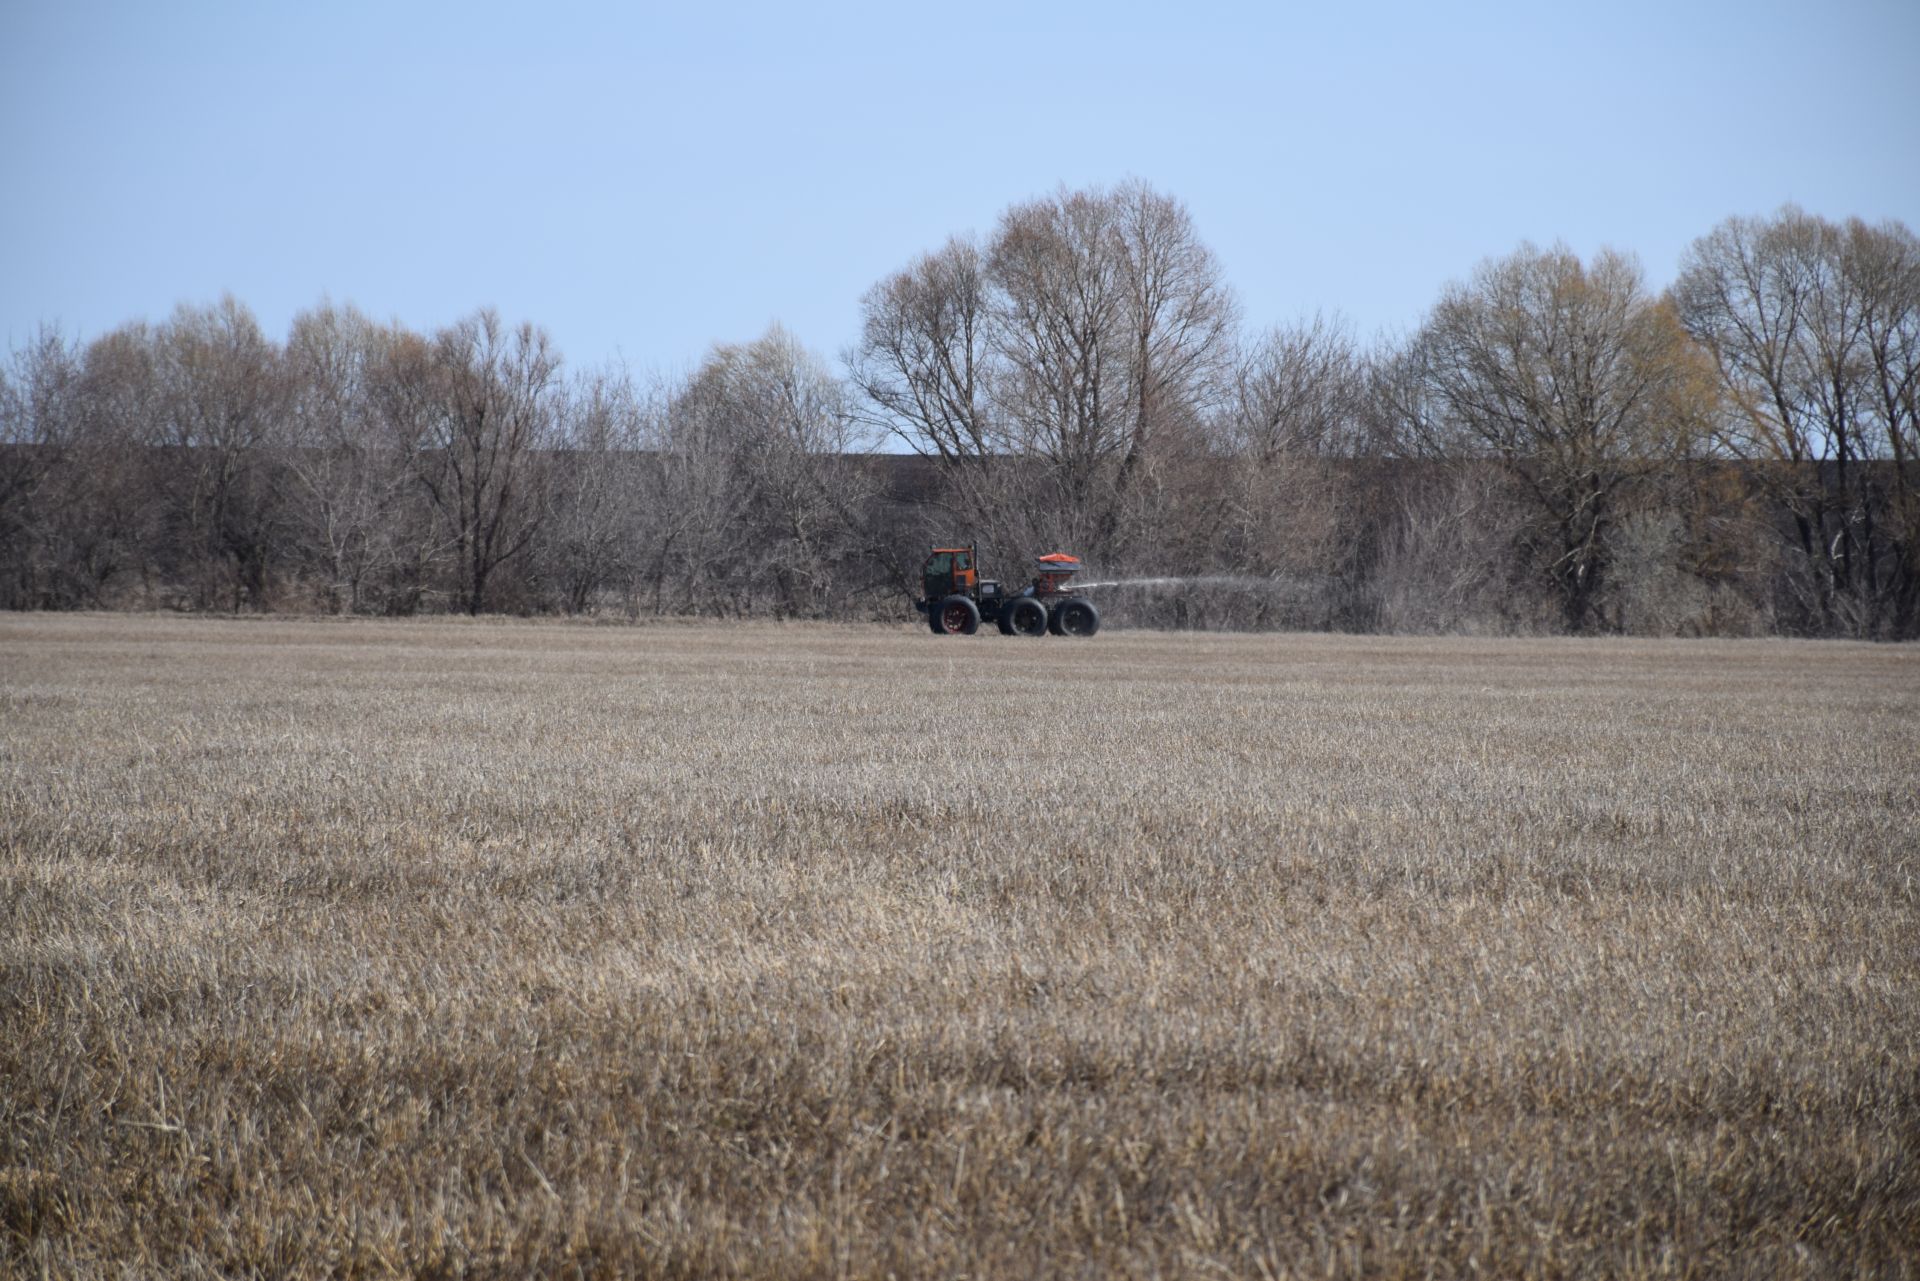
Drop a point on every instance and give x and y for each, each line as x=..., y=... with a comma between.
x=1004, y=621
x=1053, y=621
x=1078, y=618
x=956, y=616
x=1026, y=617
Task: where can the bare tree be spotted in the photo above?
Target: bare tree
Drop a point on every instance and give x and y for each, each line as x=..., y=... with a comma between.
x=699, y=539
x=1296, y=389
x=1884, y=264
x=40, y=395
x=39, y=388
x=1814, y=328
x=1110, y=318
x=1280, y=509
x=353, y=485
x=1446, y=563
x=1571, y=379
x=112, y=517
x=924, y=357
x=1057, y=373
x=473, y=412
x=1060, y=333
x=1180, y=316
x=782, y=420
x=599, y=497
x=223, y=396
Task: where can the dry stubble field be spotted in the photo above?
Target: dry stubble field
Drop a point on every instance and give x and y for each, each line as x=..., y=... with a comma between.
x=441, y=949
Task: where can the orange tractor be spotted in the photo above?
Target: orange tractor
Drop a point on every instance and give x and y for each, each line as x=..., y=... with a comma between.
x=958, y=600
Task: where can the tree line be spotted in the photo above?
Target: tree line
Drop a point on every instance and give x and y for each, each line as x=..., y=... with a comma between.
x=1555, y=448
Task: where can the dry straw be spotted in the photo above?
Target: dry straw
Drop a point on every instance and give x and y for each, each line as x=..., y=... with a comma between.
x=351, y=949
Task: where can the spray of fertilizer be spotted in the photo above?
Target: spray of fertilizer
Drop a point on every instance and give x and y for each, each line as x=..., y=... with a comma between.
x=1240, y=582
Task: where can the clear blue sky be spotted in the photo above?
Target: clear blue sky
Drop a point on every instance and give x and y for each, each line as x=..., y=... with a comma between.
x=644, y=180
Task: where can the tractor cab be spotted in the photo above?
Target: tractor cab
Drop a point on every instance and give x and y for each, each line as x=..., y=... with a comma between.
x=950, y=571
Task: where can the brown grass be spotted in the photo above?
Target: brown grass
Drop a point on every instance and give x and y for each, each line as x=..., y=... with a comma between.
x=499, y=949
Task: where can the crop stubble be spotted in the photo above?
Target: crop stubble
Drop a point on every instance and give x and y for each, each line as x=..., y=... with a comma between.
x=453, y=948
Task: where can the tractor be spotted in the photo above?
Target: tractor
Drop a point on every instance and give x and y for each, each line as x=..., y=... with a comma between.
x=958, y=600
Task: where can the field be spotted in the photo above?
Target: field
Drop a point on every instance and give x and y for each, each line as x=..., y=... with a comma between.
x=442, y=949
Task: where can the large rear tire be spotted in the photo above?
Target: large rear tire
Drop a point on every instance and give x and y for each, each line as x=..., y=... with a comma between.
x=956, y=616
x=1026, y=617
x=1078, y=618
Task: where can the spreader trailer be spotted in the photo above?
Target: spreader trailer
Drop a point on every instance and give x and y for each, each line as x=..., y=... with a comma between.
x=957, y=600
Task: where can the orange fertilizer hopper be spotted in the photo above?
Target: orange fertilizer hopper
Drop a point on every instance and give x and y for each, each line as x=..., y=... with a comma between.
x=1055, y=569
x=957, y=600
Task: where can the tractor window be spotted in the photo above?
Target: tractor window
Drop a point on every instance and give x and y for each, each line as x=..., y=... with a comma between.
x=963, y=560
x=940, y=563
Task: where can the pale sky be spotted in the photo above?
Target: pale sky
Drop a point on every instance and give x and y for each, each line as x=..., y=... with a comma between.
x=645, y=180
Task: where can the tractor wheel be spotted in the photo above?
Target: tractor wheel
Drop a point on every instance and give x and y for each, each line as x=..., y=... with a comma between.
x=956, y=616
x=933, y=620
x=1053, y=621
x=1026, y=617
x=1078, y=618
x=1004, y=621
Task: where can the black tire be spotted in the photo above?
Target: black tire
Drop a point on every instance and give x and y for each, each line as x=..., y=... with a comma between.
x=933, y=619
x=1053, y=621
x=1026, y=617
x=956, y=616
x=1003, y=620
x=1078, y=618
